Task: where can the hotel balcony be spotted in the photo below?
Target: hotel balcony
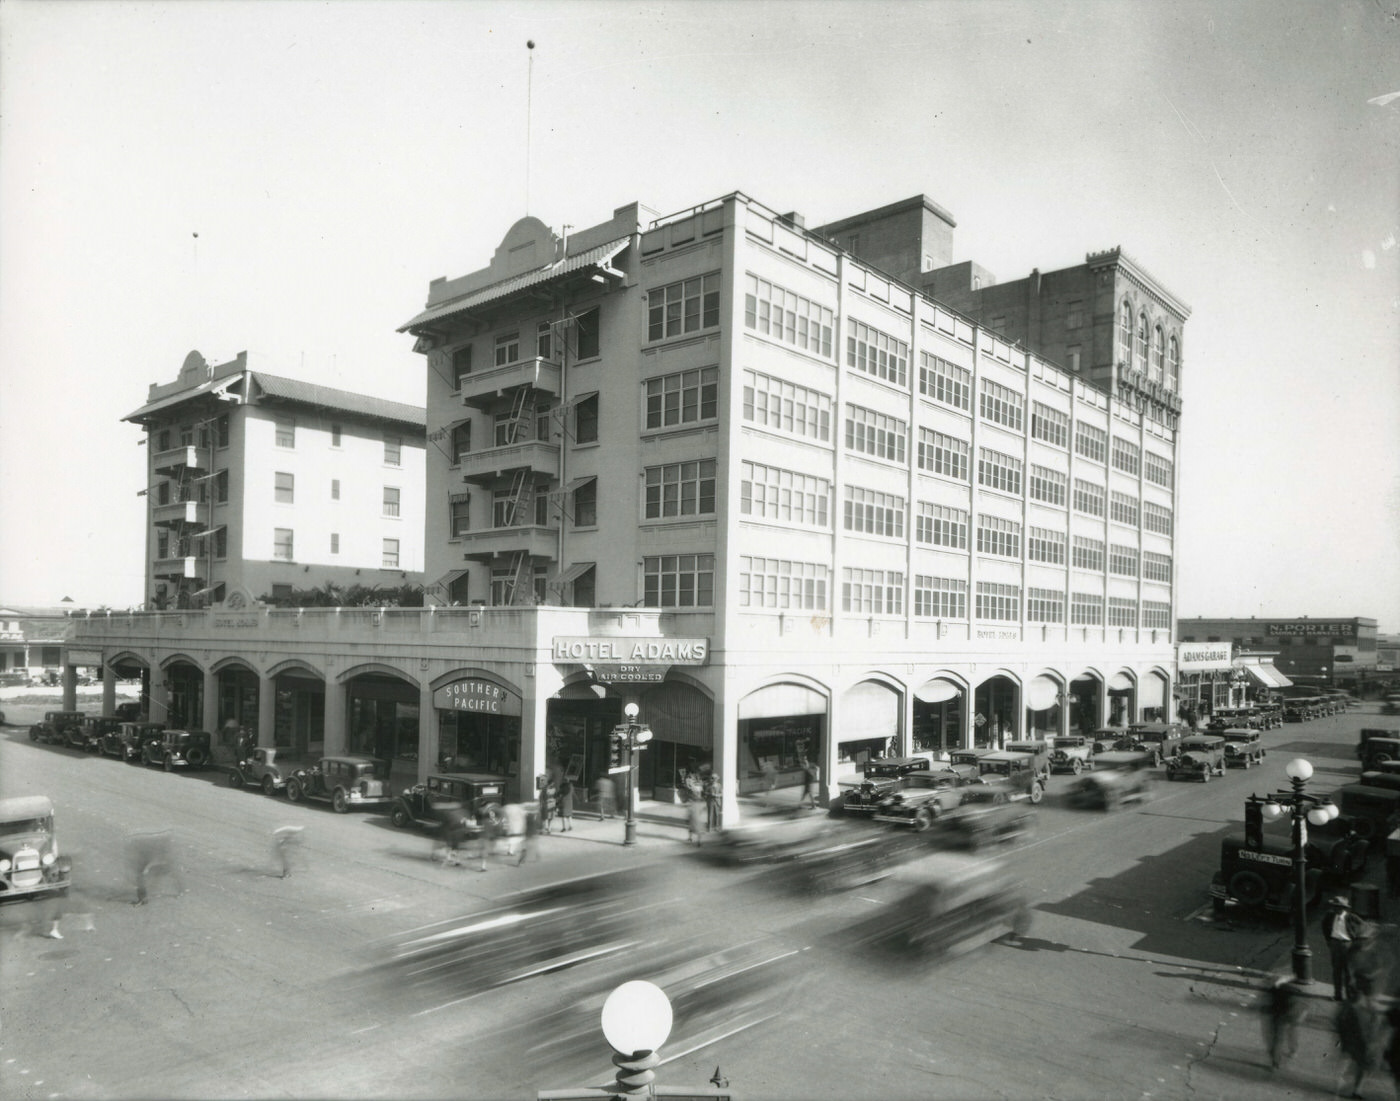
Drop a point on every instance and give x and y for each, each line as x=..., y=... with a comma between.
x=175, y=513
x=484, y=389
x=172, y=459
x=493, y=463
x=173, y=569
x=538, y=542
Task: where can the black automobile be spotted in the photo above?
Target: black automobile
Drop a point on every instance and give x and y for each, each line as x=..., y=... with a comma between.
x=883, y=775
x=53, y=728
x=1162, y=740
x=88, y=734
x=480, y=793
x=178, y=749
x=129, y=739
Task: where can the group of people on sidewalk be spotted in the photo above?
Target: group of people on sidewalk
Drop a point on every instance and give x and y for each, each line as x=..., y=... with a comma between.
x=704, y=797
x=1364, y=986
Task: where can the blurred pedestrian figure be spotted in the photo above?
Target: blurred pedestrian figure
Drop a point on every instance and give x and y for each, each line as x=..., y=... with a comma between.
x=286, y=844
x=606, y=792
x=1342, y=929
x=529, y=837
x=546, y=808
x=1285, y=1009
x=1358, y=1025
x=515, y=827
x=488, y=826
x=713, y=792
x=694, y=787
x=151, y=855
x=811, y=776
x=694, y=810
x=770, y=774
x=564, y=804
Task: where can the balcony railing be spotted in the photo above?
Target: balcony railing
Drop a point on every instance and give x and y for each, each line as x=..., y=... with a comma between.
x=175, y=512
x=536, y=541
x=176, y=457
x=483, y=389
x=176, y=568
x=488, y=465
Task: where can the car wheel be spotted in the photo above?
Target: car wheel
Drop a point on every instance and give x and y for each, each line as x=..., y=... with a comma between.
x=1205, y=774
x=1249, y=888
x=1380, y=758
x=340, y=802
x=269, y=785
x=923, y=818
x=1037, y=793
x=235, y=779
x=169, y=764
x=399, y=817
x=1156, y=759
x=293, y=791
x=1076, y=766
x=196, y=758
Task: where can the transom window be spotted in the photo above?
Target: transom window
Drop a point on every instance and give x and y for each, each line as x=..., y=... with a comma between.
x=942, y=454
x=1049, y=425
x=940, y=597
x=876, y=353
x=678, y=581
x=998, y=536
x=682, y=398
x=772, y=493
x=680, y=489
x=782, y=583
x=1048, y=485
x=1003, y=405
x=996, y=470
x=941, y=526
x=777, y=312
x=875, y=434
x=684, y=307
x=945, y=382
x=786, y=407
x=872, y=592
x=1091, y=442
x=996, y=601
x=874, y=513
x=1046, y=545
x=1045, y=605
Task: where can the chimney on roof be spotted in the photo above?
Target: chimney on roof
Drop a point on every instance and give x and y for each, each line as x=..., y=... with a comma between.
x=793, y=218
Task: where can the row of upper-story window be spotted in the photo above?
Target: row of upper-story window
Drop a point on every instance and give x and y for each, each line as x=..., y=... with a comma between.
x=284, y=493
x=284, y=436
x=201, y=434
x=1145, y=346
x=283, y=546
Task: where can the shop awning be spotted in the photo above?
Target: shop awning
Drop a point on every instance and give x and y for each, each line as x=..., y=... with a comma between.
x=781, y=701
x=1042, y=693
x=679, y=713
x=1120, y=682
x=1266, y=676
x=867, y=710
x=937, y=690
x=579, y=482
x=574, y=572
x=1152, y=691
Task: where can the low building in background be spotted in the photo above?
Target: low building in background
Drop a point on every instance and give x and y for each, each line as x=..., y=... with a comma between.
x=1318, y=652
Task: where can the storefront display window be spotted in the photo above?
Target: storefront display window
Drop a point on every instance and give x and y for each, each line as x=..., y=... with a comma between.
x=776, y=748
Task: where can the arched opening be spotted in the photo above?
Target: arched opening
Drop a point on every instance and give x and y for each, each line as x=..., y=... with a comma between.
x=1122, y=706
x=1043, y=702
x=939, y=704
x=382, y=711
x=238, y=706
x=184, y=681
x=996, y=709
x=780, y=726
x=1153, y=694
x=867, y=725
x=1085, y=715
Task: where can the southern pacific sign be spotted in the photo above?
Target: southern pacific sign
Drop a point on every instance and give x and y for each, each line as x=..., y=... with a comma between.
x=631, y=651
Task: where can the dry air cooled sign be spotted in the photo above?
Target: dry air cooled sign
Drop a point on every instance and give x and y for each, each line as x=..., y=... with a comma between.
x=630, y=660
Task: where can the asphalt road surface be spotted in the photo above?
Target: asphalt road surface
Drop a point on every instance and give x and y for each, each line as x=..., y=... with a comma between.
x=234, y=982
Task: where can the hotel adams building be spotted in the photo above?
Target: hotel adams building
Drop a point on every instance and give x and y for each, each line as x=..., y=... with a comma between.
x=795, y=493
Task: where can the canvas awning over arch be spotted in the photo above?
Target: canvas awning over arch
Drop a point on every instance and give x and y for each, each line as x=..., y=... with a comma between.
x=1120, y=682
x=778, y=701
x=937, y=690
x=1042, y=693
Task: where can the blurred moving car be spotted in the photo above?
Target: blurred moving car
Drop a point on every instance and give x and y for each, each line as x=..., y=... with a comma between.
x=1120, y=776
x=30, y=863
x=990, y=814
x=769, y=838
x=480, y=794
x=921, y=801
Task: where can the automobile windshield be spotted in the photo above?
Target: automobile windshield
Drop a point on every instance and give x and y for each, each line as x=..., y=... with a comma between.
x=996, y=768
x=1067, y=741
x=26, y=825
x=365, y=772
x=884, y=770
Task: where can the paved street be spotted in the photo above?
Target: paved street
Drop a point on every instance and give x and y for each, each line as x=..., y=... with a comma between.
x=246, y=984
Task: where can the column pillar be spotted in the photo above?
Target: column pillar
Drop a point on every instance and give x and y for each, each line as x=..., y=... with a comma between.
x=209, y=704
x=159, y=709
x=70, y=687
x=533, y=712
x=427, y=732
x=337, y=732
x=724, y=747
x=267, y=710
x=967, y=719
x=109, y=690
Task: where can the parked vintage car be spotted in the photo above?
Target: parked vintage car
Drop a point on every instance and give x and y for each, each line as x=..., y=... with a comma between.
x=1037, y=748
x=964, y=761
x=1379, y=751
x=1162, y=740
x=1296, y=711
x=1107, y=739
x=178, y=749
x=53, y=728
x=1071, y=753
x=990, y=814
x=1022, y=772
x=480, y=794
x=1120, y=776
x=88, y=734
x=1370, y=809
x=1259, y=877
x=922, y=799
x=30, y=863
x=1244, y=748
x=1369, y=733
x=1201, y=756
x=883, y=775
x=128, y=740
x=260, y=769
x=343, y=782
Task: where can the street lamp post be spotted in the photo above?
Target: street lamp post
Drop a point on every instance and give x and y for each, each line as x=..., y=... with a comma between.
x=636, y=735
x=1304, y=808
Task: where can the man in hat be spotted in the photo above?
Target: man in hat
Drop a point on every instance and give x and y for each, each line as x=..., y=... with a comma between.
x=1343, y=930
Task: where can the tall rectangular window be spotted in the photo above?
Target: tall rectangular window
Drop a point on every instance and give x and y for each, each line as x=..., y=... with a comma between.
x=1157, y=469
x=284, y=486
x=684, y=307
x=221, y=431
x=771, y=493
x=1122, y=612
x=873, y=513
x=996, y=470
x=940, y=597
x=1086, y=610
x=872, y=592
x=785, y=407
x=1088, y=497
x=459, y=514
x=1091, y=442
x=544, y=340
x=589, y=333
x=1156, y=518
x=1156, y=567
x=282, y=543
x=1045, y=605
x=286, y=433
x=1123, y=509
x=943, y=454
x=998, y=536
x=678, y=581
x=876, y=353
x=682, y=398
x=221, y=487
x=1050, y=425
x=389, y=560
x=586, y=420
x=1088, y=554
x=586, y=505
x=1048, y=485
x=782, y=583
x=461, y=441
x=461, y=364
x=1046, y=545
x=998, y=602
x=875, y=433
x=391, y=500
x=221, y=543
x=507, y=349
x=335, y=435
x=393, y=450
x=945, y=382
x=1003, y=405
x=335, y=542
x=1127, y=456
x=941, y=526
x=335, y=489
x=1122, y=560
x=680, y=489
x=777, y=312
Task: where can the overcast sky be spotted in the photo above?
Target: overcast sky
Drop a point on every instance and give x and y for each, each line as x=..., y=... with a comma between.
x=334, y=157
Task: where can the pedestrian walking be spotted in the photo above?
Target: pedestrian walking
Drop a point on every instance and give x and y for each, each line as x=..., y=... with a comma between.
x=152, y=855
x=713, y=791
x=770, y=775
x=488, y=827
x=1343, y=929
x=515, y=817
x=1285, y=1009
x=286, y=845
x=545, y=811
x=1358, y=1026
x=564, y=804
x=811, y=776
x=694, y=821
x=605, y=790
x=528, y=838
